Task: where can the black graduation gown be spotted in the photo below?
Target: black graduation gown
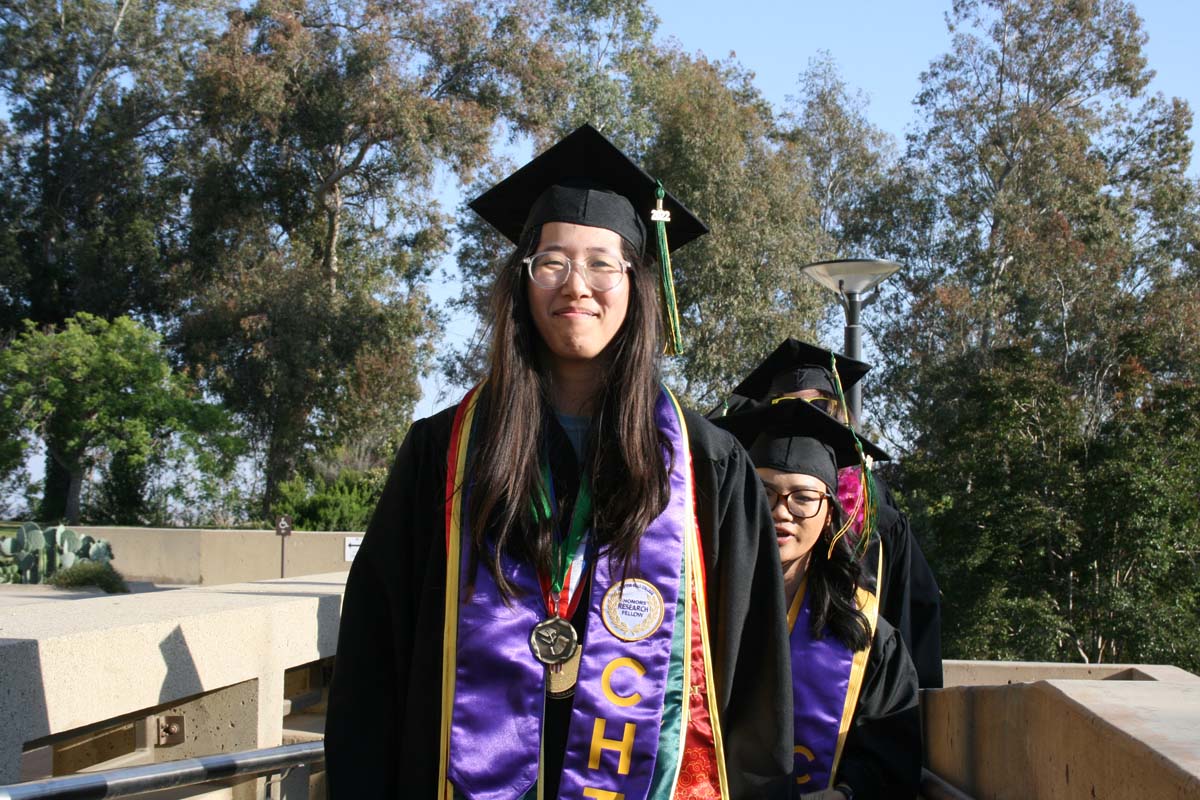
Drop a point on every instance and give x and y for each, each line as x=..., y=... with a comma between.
x=882, y=754
x=911, y=600
x=384, y=713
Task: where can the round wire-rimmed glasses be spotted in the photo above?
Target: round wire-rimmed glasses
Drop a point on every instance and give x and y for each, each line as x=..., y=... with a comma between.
x=602, y=273
x=800, y=506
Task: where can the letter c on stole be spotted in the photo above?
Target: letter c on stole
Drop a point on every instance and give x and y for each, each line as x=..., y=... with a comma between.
x=620, y=700
x=804, y=751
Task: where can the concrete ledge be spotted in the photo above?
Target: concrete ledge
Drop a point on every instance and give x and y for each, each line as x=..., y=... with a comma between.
x=66, y=666
x=1067, y=739
x=200, y=557
x=1000, y=673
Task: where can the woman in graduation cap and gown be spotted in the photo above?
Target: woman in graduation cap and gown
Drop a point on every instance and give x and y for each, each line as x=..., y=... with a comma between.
x=856, y=720
x=908, y=593
x=570, y=586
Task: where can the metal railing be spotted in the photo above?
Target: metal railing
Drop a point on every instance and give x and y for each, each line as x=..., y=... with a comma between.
x=194, y=771
x=168, y=775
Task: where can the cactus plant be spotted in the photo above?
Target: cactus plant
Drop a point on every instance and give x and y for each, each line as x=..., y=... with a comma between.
x=34, y=555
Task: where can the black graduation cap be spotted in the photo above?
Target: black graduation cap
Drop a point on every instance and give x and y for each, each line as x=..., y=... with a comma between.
x=796, y=365
x=587, y=180
x=792, y=435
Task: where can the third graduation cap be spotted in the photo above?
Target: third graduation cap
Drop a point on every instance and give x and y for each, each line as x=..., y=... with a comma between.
x=796, y=365
x=585, y=179
x=793, y=436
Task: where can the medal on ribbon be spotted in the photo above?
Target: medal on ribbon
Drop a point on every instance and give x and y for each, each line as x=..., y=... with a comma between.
x=554, y=641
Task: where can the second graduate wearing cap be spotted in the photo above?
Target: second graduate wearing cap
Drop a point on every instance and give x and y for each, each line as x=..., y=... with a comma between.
x=903, y=581
x=570, y=585
x=856, y=724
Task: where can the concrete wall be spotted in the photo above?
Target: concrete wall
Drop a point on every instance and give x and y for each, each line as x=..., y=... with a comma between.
x=1118, y=732
x=218, y=653
x=1000, y=673
x=216, y=557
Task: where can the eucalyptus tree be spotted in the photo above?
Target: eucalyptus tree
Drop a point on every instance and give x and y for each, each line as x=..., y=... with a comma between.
x=1045, y=217
x=315, y=222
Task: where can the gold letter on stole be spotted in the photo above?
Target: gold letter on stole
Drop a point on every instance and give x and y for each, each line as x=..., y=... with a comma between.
x=602, y=794
x=606, y=681
x=624, y=746
x=804, y=751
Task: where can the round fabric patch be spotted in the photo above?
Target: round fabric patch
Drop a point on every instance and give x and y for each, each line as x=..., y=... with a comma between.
x=632, y=609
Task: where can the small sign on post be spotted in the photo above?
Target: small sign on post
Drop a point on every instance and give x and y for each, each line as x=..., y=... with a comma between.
x=283, y=529
x=352, y=545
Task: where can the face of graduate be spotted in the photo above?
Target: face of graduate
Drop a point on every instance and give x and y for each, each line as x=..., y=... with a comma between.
x=575, y=321
x=795, y=536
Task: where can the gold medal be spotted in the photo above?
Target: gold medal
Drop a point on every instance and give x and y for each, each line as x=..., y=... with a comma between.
x=553, y=641
x=561, y=678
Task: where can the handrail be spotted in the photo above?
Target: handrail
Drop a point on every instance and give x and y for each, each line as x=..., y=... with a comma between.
x=169, y=774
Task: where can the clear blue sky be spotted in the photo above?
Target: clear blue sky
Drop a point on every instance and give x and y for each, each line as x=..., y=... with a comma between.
x=880, y=47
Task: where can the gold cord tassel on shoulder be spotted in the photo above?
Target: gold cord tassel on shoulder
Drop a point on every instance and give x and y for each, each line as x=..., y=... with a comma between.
x=661, y=217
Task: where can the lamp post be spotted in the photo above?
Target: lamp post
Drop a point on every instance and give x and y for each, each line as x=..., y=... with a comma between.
x=851, y=279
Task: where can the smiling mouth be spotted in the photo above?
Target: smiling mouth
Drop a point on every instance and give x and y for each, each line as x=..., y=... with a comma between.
x=575, y=312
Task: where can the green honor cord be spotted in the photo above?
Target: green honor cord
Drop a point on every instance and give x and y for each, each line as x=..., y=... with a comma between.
x=670, y=306
x=564, y=551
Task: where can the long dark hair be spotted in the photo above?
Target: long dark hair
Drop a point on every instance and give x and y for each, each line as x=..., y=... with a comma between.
x=625, y=448
x=832, y=583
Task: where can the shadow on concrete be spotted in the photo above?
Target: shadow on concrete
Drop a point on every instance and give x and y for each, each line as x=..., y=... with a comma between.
x=182, y=678
x=22, y=703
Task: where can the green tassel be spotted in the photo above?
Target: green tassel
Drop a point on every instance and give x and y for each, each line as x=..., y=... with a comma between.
x=670, y=306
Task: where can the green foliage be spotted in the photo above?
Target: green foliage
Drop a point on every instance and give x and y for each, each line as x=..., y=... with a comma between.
x=96, y=390
x=1003, y=532
x=1038, y=345
x=90, y=573
x=342, y=504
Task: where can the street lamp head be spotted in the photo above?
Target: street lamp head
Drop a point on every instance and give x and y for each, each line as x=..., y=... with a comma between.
x=850, y=275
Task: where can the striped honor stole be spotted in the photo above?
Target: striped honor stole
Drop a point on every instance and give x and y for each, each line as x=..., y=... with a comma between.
x=643, y=722
x=826, y=680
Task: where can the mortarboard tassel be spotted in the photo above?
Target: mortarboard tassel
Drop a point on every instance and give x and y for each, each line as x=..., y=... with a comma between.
x=661, y=217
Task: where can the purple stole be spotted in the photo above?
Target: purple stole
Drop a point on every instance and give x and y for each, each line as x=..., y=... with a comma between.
x=826, y=680
x=493, y=689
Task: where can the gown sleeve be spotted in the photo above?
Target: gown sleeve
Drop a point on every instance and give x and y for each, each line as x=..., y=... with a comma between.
x=389, y=607
x=882, y=755
x=911, y=600
x=747, y=616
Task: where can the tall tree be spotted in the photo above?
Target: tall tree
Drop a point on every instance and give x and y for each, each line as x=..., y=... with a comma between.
x=829, y=136
x=739, y=288
x=315, y=221
x=91, y=196
x=1045, y=217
